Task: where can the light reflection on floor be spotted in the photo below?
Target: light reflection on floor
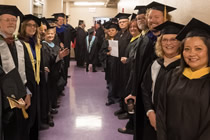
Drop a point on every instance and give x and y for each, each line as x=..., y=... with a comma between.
x=89, y=122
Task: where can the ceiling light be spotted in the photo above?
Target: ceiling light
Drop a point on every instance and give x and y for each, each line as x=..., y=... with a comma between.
x=89, y=3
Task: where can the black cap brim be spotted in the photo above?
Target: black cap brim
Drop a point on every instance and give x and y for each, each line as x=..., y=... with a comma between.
x=122, y=15
x=10, y=9
x=159, y=6
x=141, y=9
x=32, y=17
x=196, y=26
x=169, y=27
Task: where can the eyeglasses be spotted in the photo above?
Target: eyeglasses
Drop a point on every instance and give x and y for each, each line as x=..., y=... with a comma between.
x=31, y=25
x=172, y=40
x=9, y=20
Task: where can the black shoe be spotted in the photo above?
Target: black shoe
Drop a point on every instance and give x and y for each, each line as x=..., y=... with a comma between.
x=44, y=126
x=118, y=112
x=109, y=103
x=124, y=116
x=87, y=70
x=125, y=131
x=94, y=70
x=62, y=94
x=53, y=111
x=51, y=123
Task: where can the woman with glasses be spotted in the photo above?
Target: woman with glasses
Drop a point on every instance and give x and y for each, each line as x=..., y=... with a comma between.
x=183, y=111
x=29, y=36
x=167, y=49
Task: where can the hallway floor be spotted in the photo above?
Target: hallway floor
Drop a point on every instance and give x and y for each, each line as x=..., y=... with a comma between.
x=83, y=114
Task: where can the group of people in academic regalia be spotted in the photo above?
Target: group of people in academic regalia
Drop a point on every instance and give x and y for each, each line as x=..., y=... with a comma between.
x=34, y=61
x=163, y=68
x=88, y=44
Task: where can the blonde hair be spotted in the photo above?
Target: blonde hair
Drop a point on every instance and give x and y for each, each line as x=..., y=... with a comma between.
x=158, y=47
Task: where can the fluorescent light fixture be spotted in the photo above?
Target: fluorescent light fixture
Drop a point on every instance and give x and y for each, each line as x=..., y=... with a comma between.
x=89, y=3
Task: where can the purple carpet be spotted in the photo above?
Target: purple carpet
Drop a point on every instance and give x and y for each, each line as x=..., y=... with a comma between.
x=83, y=114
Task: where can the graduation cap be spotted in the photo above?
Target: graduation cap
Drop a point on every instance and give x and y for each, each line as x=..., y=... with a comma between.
x=91, y=30
x=10, y=9
x=51, y=20
x=32, y=17
x=56, y=15
x=81, y=22
x=141, y=9
x=122, y=15
x=106, y=24
x=113, y=25
x=194, y=28
x=133, y=16
x=161, y=7
x=169, y=27
x=45, y=22
x=114, y=20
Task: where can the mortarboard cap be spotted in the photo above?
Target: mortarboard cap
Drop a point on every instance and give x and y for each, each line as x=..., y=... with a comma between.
x=45, y=22
x=113, y=25
x=169, y=27
x=159, y=6
x=81, y=22
x=91, y=30
x=32, y=17
x=133, y=16
x=141, y=9
x=106, y=24
x=10, y=9
x=194, y=28
x=56, y=15
x=51, y=20
x=122, y=15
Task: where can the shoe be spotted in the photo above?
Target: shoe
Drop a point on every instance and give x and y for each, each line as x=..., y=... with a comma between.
x=51, y=123
x=118, y=112
x=123, y=116
x=54, y=111
x=62, y=94
x=109, y=103
x=125, y=131
x=87, y=70
x=44, y=126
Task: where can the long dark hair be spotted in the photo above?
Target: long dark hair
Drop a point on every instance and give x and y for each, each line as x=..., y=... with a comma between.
x=206, y=40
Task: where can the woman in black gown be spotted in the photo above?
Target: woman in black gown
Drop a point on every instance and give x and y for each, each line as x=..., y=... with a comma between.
x=183, y=111
x=167, y=49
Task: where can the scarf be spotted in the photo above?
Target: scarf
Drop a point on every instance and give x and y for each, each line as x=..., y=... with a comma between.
x=90, y=44
x=51, y=44
x=35, y=62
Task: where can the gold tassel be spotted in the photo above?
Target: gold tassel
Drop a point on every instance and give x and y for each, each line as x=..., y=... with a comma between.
x=17, y=27
x=42, y=27
x=165, y=14
x=65, y=20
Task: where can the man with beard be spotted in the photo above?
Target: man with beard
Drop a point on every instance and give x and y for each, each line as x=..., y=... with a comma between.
x=144, y=56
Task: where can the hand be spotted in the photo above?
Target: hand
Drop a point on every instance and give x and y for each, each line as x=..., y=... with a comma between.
x=46, y=69
x=123, y=59
x=130, y=97
x=63, y=53
x=27, y=101
x=62, y=45
x=108, y=53
x=109, y=48
x=152, y=119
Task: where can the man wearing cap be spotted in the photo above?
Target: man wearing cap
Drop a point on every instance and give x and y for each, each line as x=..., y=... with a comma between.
x=80, y=48
x=66, y=35
x=17, y=81
x=156, y=15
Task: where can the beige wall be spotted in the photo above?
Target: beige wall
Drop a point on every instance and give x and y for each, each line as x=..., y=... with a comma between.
x=24, y=5
x=77, y=13
x=186, y=9
x=53, y=6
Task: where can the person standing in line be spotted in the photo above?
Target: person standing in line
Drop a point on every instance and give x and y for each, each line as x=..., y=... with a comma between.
x=17, y=77
x=91, y=50
x=80, y=48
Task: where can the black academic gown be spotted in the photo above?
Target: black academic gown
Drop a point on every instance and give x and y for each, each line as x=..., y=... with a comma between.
x=100, y=35
x=91, y=57
x=118, y=67
x=50, y=55
x=183, y=111
x=14, y=125
x=151, y=100
x=144, y=56
x=80, y=48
